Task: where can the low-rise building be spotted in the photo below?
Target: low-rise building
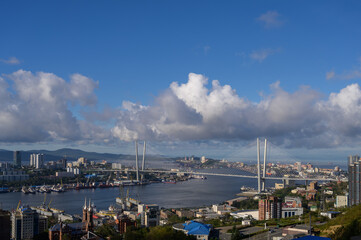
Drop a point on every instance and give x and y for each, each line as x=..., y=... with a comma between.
x=116, y=166
x=330, y=214
x=341, y=201
x=64, y=174
x=221, y=209
x=292, y=206
x=290, y=212
x=10, y=175
x=313, y=208
x=246, y=214
x=206, y=213
x=246, y=222
x=230, y=202
x=73, y=230
x=62, y=217
x=185, y=213
x=200, y=230
x=296, y=231
x=165, y=214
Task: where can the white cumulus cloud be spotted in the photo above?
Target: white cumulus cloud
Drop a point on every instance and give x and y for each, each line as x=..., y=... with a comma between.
x=262, y=54
x=35, y=107
x=270, y=19
x=11, y=61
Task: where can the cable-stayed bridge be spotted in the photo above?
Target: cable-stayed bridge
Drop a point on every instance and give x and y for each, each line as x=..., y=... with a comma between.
x=260, y=170
x=223, y=175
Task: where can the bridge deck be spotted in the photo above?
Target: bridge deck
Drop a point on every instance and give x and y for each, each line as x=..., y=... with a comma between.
x=223, y=175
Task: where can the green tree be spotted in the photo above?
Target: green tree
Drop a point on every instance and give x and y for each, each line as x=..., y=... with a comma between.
x=106, y=230
x=156, y=233
x=236, y=235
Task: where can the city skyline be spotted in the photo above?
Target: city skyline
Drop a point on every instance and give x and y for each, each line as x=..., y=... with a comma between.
x=191, y=78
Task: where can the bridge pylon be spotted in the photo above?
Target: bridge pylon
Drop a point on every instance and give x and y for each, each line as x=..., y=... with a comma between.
x=261, y=179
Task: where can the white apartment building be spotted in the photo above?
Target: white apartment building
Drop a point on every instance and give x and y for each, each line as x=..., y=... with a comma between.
x=37, y=160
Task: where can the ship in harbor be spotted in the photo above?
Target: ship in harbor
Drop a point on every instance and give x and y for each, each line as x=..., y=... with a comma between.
x=126, y=202
x=169, y=181
x=45, y=209
x=199, y=177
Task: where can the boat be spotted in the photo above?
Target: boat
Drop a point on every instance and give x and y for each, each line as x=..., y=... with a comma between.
x=55, y=210
x=44, y=189
x=31, y=190
x=199, y=177
x=58, y=188
x=4, y=190
x=169, y=181
x=104, y=185
x=244, y=188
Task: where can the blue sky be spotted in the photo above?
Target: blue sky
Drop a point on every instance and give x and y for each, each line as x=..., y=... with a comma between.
x=134, y=51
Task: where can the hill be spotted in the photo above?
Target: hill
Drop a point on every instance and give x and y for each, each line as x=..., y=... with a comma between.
x=72, y=154
x=344, y=226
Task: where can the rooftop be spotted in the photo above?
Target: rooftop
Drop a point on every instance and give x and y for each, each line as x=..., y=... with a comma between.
x=312, y=238
x=197, y=228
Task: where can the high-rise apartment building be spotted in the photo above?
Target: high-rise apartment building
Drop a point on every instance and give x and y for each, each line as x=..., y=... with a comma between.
x=149, y=214
x=37, y=160
x=351, y=159
x=17, y=158
x=26, y=223
x=269, y=208
x=354, y=176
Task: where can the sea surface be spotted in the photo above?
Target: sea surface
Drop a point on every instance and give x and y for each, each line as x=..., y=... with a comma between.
x=191, y=193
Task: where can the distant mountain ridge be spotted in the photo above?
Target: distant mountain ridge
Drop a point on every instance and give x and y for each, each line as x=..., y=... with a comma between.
x=72, y=155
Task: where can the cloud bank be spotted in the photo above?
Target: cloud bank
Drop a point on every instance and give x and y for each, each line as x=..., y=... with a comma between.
x=42, y=107
x=191, y=111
